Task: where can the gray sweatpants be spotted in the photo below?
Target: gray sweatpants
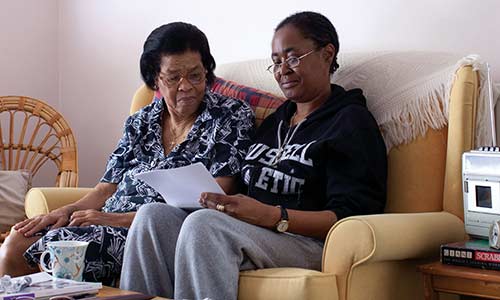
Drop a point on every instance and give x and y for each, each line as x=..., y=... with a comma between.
x=169, y=253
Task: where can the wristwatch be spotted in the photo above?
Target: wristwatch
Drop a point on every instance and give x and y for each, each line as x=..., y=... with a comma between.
x=282, y=225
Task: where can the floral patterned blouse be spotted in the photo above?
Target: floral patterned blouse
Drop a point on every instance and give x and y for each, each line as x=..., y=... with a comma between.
x=219, y=139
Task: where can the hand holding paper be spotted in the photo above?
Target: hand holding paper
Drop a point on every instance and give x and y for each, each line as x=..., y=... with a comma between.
x=182, y=186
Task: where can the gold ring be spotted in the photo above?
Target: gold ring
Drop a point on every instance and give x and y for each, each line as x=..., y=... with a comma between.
x=220, y=207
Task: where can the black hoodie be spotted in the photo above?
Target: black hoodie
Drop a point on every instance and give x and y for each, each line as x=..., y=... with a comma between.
x=334, y=160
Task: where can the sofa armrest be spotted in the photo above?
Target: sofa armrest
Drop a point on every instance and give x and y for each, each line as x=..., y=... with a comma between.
x=43, y=200
x=374, y=238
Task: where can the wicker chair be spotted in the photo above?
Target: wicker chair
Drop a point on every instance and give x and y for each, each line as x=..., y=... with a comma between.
x=32, y=133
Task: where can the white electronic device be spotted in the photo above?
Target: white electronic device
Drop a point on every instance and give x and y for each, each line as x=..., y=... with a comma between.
x=481, y=179
x=481, y=182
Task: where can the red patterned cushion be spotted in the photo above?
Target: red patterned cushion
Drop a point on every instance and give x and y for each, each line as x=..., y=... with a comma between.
x=262, y=103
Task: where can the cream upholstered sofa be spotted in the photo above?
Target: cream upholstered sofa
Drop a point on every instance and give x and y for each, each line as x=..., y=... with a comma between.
x=365, y=257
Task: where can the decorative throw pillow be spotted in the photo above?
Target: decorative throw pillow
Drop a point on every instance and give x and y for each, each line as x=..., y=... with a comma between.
x=262, y=103
x=13, y=187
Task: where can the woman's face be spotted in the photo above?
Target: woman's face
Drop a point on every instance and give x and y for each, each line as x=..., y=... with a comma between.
x=303, y=82
x=182, y=82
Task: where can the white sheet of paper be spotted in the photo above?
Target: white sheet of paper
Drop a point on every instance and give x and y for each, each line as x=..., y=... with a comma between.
x=182, y=186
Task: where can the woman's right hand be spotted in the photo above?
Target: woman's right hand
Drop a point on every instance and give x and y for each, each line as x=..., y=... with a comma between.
x=55, y=219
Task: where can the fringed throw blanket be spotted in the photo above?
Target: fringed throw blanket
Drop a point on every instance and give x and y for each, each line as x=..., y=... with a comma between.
x=408, y=92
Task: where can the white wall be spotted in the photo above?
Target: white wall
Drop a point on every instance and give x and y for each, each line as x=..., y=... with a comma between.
x=28, y=49
x=99, y=43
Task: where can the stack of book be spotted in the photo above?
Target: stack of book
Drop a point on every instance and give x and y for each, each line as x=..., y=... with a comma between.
x=472, y=253
x=43, y=286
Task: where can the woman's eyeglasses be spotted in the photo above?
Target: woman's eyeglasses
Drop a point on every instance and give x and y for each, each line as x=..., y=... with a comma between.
x=173, y=80
x=291, y=62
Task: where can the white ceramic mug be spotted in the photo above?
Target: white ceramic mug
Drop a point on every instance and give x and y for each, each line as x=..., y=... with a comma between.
x=67, y=259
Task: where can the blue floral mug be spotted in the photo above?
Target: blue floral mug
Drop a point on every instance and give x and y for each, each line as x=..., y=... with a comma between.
x=67, y=259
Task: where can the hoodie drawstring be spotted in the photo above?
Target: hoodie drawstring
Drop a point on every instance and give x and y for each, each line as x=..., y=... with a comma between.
x=286, y=141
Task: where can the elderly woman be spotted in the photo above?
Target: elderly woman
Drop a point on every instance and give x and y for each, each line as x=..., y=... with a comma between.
x=190, y=124
x=319, y=158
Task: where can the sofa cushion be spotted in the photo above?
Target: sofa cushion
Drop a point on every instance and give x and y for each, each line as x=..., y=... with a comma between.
x=286, y=283
x=13, y=187
x=262, y=103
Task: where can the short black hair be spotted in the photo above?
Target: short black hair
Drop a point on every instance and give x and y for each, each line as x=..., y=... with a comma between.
x=174, y=38
x=316, y=27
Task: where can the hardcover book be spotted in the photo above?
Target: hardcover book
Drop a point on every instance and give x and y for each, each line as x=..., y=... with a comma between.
x=472, y=253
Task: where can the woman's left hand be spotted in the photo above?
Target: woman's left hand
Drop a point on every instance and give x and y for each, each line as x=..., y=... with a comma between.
x=242, y=207
x=89, y=217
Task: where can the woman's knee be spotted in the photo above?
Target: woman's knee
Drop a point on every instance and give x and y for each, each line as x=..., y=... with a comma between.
x=158, y=215
x=12, y=261
x=152, y=211
x=203, y=224
x=16, y=243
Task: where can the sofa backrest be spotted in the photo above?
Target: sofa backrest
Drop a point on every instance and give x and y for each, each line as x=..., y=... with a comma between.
x=424, y=174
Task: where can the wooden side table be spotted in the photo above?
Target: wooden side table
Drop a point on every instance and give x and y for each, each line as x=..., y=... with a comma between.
x=459, y=280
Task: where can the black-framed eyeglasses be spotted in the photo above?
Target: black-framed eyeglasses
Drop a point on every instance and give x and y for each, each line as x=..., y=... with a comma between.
x=291, y=62
x=172, y=80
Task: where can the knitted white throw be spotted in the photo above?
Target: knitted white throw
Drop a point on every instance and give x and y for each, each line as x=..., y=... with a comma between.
x=408, y=92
